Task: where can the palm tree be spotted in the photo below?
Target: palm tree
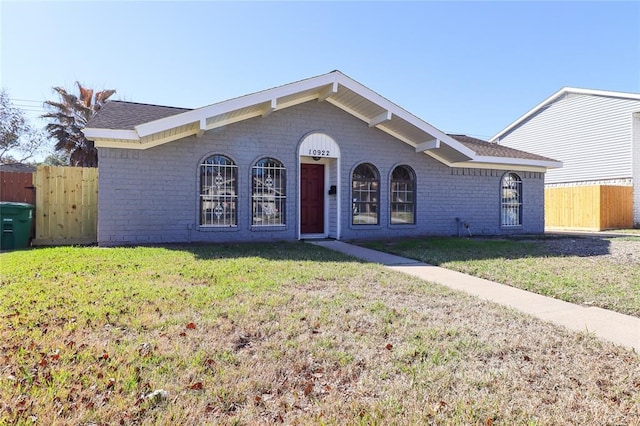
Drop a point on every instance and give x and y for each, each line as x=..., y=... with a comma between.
x=69, y=116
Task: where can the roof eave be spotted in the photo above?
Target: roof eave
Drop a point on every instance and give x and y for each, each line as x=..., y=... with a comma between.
x=500, y=163
x=419, y=134
x=269, y=97
x=518, y=162
x=120, y=134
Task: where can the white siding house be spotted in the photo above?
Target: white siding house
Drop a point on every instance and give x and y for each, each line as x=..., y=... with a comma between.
x=595, y=133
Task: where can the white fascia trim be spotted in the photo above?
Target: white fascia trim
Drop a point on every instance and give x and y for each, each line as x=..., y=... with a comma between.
x=498, y=166
x=403, y=114
x=607, y=93
x=93, y=133
x=500, y=163
x=109, y=143
x=558, y=94
x=266, y=96
x=518, y=162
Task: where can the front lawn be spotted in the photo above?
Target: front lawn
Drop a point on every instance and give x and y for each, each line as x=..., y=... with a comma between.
x=292, y=333
x=603, y=272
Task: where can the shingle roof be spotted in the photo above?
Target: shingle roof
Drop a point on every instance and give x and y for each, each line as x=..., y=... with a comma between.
x=140, y=121
x=491, y=149
x=126, y=115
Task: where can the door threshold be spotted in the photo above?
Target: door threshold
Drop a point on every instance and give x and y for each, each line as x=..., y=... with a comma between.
x=313, y=236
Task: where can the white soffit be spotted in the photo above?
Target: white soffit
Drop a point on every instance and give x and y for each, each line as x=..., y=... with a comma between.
x=334, y=87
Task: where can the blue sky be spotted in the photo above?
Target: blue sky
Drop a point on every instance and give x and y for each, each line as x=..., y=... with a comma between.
x=464, y=67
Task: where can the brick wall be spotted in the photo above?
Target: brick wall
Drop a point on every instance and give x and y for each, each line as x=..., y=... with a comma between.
x=151, y=196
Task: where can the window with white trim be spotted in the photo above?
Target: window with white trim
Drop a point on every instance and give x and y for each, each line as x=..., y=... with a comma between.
x=218, y=192
x=365, y=192
x=511, y=200
x=268, y=193
x=403, y=196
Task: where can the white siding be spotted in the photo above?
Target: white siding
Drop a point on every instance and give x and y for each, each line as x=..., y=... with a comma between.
x=591, y=135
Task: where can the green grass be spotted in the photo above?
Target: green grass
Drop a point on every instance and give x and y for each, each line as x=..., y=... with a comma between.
x=293, y=333
x=542, y=265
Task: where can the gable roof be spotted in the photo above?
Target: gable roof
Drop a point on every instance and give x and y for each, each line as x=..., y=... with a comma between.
x=142, y=126
x=128, y=115
x=557, y=96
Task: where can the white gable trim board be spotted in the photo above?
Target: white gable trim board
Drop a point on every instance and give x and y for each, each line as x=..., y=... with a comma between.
x=157, y=179
x=335, y=88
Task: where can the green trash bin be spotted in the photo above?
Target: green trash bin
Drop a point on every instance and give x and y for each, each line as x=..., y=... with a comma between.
x=15, y=219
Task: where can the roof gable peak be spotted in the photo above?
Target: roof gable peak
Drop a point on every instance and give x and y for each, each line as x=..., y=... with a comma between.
x=334, y=87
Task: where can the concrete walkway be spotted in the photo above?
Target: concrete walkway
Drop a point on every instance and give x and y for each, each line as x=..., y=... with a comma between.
x=607, y=325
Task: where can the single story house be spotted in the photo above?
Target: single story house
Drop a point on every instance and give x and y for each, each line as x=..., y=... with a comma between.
x=324, y=157
x=596, y=135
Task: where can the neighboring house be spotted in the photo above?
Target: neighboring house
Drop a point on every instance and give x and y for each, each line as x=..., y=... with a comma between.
x=17, y=168
x=596, y=135
x=324, y=157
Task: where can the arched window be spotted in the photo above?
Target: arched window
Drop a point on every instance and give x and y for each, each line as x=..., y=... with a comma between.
x=218, y=192
x=365, y=191
x=403, y=195
x=511, y=200
x=268, y=193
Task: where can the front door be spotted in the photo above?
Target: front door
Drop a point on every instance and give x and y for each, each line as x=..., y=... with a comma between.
x=311, y=198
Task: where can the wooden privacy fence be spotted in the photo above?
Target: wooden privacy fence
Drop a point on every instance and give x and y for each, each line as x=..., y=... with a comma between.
x=66, y=205
x=589, y=207
x=17, y=187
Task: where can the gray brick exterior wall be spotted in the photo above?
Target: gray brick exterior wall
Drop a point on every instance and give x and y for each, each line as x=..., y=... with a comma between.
x=151, y=196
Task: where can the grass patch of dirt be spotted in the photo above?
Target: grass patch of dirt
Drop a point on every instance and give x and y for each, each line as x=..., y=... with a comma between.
x=282, y=333
x=630, y=231
x=594, y=271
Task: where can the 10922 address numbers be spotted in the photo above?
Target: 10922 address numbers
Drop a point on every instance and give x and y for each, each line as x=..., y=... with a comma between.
x=319, y=152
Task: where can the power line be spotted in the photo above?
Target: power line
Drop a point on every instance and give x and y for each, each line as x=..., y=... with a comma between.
x=25, y=100
x=31, y=109
x=29, y=105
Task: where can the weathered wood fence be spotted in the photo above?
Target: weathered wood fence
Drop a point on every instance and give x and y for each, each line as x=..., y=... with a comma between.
x=17, y=187
x=589, y=207
x=66, y=205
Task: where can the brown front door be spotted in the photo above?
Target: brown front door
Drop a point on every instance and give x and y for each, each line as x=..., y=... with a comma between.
x=312, y=199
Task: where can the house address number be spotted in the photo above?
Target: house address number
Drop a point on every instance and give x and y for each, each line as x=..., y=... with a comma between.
x=319, y=152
